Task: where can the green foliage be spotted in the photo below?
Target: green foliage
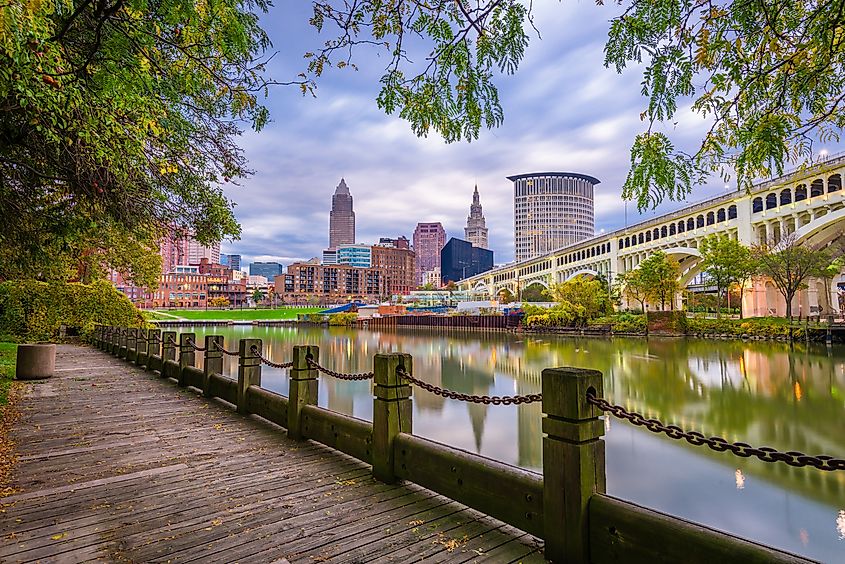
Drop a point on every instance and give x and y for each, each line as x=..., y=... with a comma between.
x=622, y=322
x=726, y=261
x=342, y=319
x=767, y=74
x=34, y=311
x=654, y=280
x=314, y=318
x=768, y=327
x=117, y=121
x=8, y=358
x=533, y=293
x=564, y=314
x=258, y=295
x=590, y=295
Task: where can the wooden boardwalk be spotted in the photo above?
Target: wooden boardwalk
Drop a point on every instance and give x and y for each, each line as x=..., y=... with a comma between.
x=117, y=464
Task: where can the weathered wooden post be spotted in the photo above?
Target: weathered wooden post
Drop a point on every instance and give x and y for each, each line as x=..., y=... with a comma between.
x=573, y=460
x=154, y=349
x=249, y=369
x=187, y=356
x=117, y=340
x=131, y=344
x=141, y=357
x=391, y=410
x=303, y=387
x=168, y=350
x=124, y=339
x=213, y=361
x=112, y=337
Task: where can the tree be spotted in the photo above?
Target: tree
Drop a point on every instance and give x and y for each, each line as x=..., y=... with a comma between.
x=534, y=293
x=828, y=274
x=659, y=276
x=219, y=301
x=257, y=295
x=635, y=287
x=118, y=120
x=591, y=295
x=725, y=261
x=506, y=296
x=789, y=264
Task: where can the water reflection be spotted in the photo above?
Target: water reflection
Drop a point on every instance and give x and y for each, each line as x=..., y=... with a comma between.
x=760, y=393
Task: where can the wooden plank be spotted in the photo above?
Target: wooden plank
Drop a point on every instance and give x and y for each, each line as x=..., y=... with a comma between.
x=620, y=530
x=271, y=406
x=347, y=434
x=223, y=388
x=508, y=493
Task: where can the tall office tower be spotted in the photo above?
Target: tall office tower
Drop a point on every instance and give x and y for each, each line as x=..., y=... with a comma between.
x=235, y=262
x=476, y=230
x=194, y=252
x=341, y=218
x=429, y=239
x=551, y=210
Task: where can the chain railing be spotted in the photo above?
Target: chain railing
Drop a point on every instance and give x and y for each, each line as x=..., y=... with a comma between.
x=339, y=375
x=220, y=348
x=743, y=450
x=172, y=341
x=267, y=361
x=487, y=400
x=194, y=346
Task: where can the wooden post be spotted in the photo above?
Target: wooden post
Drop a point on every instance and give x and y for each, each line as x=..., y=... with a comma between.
x=124, y=340
x=391, y=410
x=153, y=347
x=213, y=363
x=303, y=387
x=168, y=348
x=141, y=357
x=112, y=335
x=118, y=340
x=187, y=356
x=131, y=345
x=249, y=370
x=573, y=460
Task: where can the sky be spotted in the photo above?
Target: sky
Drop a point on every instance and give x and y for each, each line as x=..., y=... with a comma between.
x=564, y=111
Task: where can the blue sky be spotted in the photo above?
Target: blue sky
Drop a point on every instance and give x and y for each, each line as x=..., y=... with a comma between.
x=563, y=112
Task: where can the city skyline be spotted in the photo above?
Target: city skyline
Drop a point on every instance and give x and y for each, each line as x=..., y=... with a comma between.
x=563, y=111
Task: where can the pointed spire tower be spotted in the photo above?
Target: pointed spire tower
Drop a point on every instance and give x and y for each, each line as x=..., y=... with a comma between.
x=476, y=230
x=341, y=218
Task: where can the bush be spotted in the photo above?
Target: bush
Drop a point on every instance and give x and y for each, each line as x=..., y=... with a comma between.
x=314, y=318
x=622, y=322
x=771, y=327
x=563, y=314
x=342, y=319
x=34, y=311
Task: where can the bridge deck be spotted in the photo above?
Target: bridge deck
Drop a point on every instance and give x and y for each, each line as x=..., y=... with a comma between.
x=119, y=465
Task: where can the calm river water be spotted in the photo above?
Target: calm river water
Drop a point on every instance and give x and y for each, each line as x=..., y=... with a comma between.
x=760, y=393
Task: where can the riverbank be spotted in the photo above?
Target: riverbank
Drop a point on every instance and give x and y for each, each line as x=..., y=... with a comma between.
x=251, y=314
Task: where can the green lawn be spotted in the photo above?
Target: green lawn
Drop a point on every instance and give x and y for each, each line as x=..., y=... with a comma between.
x=8, y=353
x=230, y=314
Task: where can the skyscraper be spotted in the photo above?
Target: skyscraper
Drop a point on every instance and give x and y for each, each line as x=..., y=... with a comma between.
x=551, y=210
x=429, y=238
x=476, y=230
x=341, y=218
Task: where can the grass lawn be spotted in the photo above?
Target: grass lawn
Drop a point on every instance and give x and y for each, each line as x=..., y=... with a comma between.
x=230, y=314
x=8, y=352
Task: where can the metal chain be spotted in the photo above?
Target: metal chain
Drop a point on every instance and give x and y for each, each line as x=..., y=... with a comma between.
x=194, y=345
x=744, y=450
x=487, y=400
x=172, y=340
x=268, y=362
x=224, y=351
x=339, y=375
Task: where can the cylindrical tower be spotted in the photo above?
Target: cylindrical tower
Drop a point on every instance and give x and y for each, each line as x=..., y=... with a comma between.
x=551, y=210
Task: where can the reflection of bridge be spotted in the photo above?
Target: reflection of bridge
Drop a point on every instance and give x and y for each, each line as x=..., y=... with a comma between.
x=809, y=204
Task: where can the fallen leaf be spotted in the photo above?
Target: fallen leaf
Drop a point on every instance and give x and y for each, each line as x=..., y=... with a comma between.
x=60, y=536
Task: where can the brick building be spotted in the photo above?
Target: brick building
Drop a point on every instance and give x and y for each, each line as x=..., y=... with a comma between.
x=185, y=287
x=429, y=239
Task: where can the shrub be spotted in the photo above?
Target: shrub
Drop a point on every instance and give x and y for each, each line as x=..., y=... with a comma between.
x=342, y=319
x=563, y=314
x=34, y=311
x=622, y=322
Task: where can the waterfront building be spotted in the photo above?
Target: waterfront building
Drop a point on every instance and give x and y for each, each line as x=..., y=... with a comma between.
x=266, y=269
x=341, y=218
x=221, y=283
x=476, y=230
x=396, y=265
x=183, y=287
x=308, y=282
x=360, y=256
x=432, y=278
x=460, y=259
x=429, y=239
x=551, y=210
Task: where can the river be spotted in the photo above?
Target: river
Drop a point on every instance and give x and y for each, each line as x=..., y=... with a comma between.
x=765, y=394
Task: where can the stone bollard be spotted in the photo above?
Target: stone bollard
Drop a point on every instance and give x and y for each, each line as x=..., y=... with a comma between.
x=35, y=361
x=303, y=388
x=249, y=370
x=187, y=356
x=212, y=361
x=573, y=460
x=154, y=349
x=392, y=410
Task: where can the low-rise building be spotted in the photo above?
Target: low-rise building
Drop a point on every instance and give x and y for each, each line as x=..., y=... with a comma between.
x=185, y=287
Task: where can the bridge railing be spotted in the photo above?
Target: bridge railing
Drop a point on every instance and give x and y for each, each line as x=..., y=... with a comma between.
x=567, y=506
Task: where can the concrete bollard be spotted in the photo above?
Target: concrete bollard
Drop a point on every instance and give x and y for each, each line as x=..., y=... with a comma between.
x=35, y=361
